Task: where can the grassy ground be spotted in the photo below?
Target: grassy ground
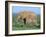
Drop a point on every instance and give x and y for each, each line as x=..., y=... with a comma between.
x=21, y=26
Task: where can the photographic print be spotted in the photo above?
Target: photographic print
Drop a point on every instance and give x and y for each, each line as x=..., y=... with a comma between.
x=24, y=18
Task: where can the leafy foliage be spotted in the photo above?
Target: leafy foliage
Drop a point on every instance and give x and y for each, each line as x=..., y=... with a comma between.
x=21, y=26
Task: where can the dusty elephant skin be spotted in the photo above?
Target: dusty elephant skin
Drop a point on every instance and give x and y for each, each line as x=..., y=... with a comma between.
x=27, y=17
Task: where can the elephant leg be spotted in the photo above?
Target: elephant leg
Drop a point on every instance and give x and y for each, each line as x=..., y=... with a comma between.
x=24, y=20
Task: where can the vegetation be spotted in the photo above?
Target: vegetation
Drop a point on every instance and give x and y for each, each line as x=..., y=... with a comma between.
x=21, y=26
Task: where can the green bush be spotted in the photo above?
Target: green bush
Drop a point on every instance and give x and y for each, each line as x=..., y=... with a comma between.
x=21, y=26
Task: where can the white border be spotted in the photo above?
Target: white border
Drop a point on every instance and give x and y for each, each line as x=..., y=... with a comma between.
x=24, y=31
